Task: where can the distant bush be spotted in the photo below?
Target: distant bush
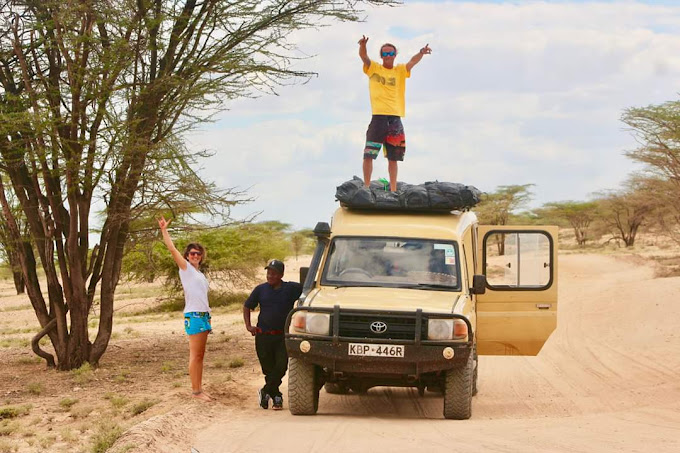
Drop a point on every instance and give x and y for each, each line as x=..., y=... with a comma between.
x=215, y=298
x=233, y=253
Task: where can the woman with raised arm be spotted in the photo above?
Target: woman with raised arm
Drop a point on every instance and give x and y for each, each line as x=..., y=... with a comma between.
x=196, y=309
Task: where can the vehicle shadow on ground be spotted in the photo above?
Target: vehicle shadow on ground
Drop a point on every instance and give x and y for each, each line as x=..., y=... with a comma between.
x=383, y=402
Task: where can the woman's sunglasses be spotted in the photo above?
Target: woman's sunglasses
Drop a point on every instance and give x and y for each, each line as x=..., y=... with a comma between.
x=195, y=253
x=391, y=53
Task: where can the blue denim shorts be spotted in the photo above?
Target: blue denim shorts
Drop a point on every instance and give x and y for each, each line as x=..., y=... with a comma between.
x=197, y=322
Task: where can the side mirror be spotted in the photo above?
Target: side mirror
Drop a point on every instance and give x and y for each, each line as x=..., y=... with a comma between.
x=303, y=274
x=478, y=284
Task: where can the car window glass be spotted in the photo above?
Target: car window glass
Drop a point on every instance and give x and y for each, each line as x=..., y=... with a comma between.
x=518, y=260
x=389, y=261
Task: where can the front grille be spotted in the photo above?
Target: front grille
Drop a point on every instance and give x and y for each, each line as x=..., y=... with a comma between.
x=399, y=327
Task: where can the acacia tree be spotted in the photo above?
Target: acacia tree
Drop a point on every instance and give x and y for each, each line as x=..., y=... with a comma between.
x=301, y=241
x=625, y=211
x=94, y=95
x=497, y=207
x=578, y=214
x=657, y=129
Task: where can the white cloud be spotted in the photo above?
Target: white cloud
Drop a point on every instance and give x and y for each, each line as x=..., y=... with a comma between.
x=513, y=93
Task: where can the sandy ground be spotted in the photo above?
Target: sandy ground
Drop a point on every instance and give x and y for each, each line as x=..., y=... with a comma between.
x=608, y=380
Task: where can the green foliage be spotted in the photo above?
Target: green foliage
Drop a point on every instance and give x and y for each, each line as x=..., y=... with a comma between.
x=5, y=271
x=106, y=435
x=233, y=254
x=96, y=99
x=623, y=212
x=142, y=406
x=35, y=388
x=577, y=214
x=657, y=129
x=8, y=412
x=83, y=374
x=8, y=427
x=236, y=363
x=116, y=401
x=302, y=242
x=215, y=298
x=66, y=403
x=497, y=208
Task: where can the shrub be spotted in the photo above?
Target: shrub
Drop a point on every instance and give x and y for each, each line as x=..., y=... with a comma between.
x=142, y=406
x=13, y=411
x=35, y=388
x=236, y=363
x=106, y=436
x=66, y=403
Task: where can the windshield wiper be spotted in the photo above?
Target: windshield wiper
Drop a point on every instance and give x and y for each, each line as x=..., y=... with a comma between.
x=354, y=285
x=432, y=286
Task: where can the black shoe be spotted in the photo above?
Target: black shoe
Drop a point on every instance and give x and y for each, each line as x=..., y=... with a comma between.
x=278, y=403
x=263, y=398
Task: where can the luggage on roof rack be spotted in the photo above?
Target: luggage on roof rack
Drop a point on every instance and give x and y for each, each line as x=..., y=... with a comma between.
x=430, y=196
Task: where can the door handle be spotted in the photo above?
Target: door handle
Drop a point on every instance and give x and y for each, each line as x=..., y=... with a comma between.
x=543, y=306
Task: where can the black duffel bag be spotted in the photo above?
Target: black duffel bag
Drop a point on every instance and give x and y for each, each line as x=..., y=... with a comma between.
x=431, y=196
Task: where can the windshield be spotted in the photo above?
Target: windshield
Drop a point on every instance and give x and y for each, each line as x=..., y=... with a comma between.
x=394, y=262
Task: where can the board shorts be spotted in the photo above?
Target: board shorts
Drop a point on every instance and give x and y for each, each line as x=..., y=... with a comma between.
x=387, y=132
x=197, y=322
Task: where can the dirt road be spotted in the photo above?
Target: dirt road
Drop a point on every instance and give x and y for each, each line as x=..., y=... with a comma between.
x=608, y=380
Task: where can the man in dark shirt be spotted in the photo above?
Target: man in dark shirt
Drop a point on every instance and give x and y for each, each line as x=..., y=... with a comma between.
x=276, y=299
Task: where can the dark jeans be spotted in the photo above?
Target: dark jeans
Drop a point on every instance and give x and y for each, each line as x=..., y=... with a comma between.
x=271, y=350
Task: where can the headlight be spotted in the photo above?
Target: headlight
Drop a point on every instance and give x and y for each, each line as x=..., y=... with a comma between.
x=318, y=323
x=439, y=329
x=446, y=329
x=312, y=323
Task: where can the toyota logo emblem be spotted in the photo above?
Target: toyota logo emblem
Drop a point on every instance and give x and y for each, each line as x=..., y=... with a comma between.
x=378, y=327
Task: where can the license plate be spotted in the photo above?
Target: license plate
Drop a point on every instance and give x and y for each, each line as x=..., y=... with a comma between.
x=376, y=350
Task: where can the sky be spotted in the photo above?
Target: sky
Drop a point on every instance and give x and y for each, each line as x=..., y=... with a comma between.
x=514, y=92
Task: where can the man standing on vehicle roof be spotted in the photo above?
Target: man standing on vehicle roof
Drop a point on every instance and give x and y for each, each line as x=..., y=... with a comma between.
x=387, y=85
x=276, y=299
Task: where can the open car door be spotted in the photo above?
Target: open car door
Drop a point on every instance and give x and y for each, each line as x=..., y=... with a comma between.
x=518, y=311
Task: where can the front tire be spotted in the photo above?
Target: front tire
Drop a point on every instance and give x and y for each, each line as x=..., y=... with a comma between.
x=475, y=373
x=303, y=392
x=458, y=391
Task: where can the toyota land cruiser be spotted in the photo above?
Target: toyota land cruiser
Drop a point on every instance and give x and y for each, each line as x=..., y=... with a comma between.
x=412, y=299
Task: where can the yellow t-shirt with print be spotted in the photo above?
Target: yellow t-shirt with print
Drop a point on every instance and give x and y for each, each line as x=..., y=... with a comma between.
x=387, y=88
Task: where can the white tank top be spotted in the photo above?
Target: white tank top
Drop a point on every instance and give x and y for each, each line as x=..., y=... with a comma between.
x=195, y=289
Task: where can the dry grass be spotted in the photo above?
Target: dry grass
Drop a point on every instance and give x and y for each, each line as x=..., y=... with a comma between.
x=67, y=403
x=236, y=363
x=142, y=374
x=650, y=247
x=105, y=437
x=143, y=406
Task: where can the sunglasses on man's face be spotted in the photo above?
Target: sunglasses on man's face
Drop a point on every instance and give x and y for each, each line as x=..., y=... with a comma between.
x=195, y=253
x=391, y=53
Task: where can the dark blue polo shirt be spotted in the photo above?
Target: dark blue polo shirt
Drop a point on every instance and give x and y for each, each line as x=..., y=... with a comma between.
x=275, y=304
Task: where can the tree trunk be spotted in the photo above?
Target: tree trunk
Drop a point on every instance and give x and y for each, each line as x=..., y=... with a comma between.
x=19, y=283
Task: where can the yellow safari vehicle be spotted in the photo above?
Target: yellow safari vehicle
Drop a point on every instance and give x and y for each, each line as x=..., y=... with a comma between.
x=411, y=299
